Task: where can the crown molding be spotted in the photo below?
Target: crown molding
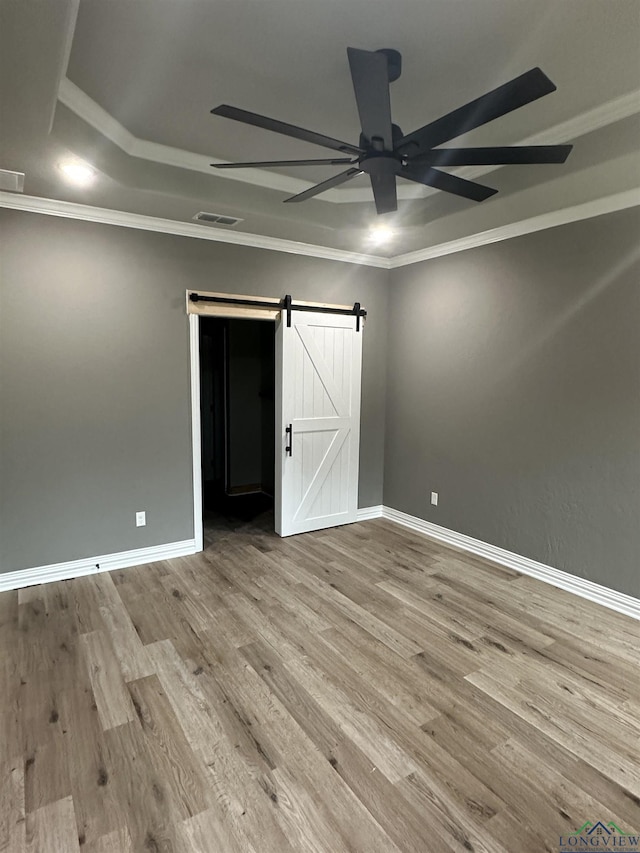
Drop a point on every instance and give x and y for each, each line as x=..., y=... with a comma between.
x=597, y=207
x=71, y=210
x=87, y=109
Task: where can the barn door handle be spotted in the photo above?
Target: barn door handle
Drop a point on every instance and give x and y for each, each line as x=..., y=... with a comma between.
x=289, y=448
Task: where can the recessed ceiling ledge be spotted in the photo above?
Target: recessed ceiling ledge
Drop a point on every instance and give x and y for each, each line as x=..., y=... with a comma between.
x=87, y=109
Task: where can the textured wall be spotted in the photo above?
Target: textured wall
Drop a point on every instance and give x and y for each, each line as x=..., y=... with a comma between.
x=513, y=387
x=514, y=392
x=94, y=378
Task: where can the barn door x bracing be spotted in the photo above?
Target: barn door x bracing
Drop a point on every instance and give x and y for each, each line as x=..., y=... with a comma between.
x=318, y=362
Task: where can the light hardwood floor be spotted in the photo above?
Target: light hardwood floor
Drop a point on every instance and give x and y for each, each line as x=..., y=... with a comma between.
x=359, y=689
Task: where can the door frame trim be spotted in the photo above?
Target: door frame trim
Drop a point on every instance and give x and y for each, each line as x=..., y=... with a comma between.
x=196, y=419
x=196, y=439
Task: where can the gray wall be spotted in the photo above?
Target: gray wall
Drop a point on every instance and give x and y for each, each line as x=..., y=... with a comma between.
x=94, y=378
x=513, y=387
x=514, y=392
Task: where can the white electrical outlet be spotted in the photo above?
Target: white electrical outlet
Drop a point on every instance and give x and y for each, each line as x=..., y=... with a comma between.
x=434, y=498
x=141, y=519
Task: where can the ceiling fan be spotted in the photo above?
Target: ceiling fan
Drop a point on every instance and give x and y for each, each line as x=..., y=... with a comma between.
x=384, y=152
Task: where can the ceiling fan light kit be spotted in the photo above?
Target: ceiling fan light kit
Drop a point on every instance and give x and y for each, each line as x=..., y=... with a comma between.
x=384, y=153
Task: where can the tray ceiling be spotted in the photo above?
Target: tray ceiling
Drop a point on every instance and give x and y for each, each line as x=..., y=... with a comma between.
x=127, y=85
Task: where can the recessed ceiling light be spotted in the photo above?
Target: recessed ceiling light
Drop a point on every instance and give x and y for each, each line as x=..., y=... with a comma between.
x=380, y=234
x=77, y=172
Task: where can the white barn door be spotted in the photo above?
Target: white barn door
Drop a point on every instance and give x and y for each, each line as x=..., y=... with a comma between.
x=318, y=367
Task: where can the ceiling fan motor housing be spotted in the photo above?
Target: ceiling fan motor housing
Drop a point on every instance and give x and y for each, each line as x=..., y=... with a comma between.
x=381, y=163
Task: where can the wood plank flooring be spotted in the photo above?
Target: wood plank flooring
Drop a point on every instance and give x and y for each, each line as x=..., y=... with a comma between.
x=360, y=689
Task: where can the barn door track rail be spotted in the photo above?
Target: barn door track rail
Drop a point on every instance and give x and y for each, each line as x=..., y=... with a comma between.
x=285, y=304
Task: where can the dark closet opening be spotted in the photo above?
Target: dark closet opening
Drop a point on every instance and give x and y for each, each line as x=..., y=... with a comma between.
x=237, y=401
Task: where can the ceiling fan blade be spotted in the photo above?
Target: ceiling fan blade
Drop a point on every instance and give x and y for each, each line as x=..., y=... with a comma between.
x=449, y=183
x=325, y=185
x=370, y=76
x=262, y=165
x=510, y=96
x=276, y=126
x=384, y=192
x=506, y=155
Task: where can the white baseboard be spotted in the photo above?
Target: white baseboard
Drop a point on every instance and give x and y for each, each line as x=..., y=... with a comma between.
x=93, y=565
x=369, y=512
x=610, y=598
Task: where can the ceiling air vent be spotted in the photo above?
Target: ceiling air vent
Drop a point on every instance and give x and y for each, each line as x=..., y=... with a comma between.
x=11, y=181
x=217, y=219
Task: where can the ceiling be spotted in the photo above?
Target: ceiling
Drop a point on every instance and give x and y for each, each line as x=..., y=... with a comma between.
x=128, y=85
